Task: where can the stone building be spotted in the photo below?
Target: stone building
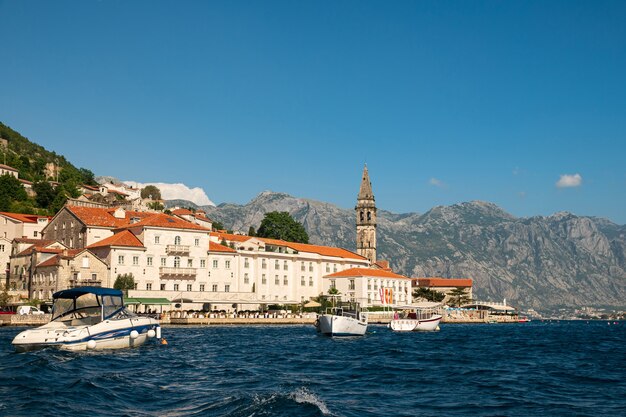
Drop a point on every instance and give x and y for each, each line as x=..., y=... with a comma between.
x=366, y=220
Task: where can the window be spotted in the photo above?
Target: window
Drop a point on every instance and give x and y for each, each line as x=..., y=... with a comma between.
x=189, y=263
x=334, y=267
x=276, y=265
x=175, y=287
x=246, y=279
x=327, y=267
x=157, y=239
x=214, y=263
x=35, y=233
x=85, y=261
x=162, y=287
x=202, y=287
x=176, y=261
x=177, y=240
x=302, y=267
x=226, y=288
x=227, y=264
x=302, y=281
x=332, y=283
x=310, y=266
x=285, y=265
x=148, y=286
x=120, y=259
x=263, y=279
x=351, y=287
x=196, y=242
x=94, y=277
x=1, y=248
x=369, y=284
x=163, y=261
x=310, y=281
x=263, y=264
x=214, y=288
x=135, y=260
x=149, y=260
x=276, y=280
x=202, y=263
x=246, y=263
x=189, y=287
x=285, y=281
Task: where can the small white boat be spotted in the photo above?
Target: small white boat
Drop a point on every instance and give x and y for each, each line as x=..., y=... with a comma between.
x=339, y=321
x=422, y=317
x=89, y=318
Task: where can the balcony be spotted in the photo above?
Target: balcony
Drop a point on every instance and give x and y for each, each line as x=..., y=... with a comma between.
x=177, y=249
x=85, y=282
x=177, y=273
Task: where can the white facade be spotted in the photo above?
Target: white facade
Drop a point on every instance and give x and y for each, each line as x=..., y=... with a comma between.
x=370, y=287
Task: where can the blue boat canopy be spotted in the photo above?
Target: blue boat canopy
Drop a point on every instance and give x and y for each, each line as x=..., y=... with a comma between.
x=78, y=291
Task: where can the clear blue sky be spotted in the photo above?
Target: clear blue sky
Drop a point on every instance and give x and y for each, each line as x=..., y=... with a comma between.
x=445, y=101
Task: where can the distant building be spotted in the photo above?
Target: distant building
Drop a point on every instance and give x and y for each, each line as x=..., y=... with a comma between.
x=370, y=287
x=7, y=170
x=366, y=219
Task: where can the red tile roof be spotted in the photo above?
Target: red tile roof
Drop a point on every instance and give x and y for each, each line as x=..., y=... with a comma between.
x=103, y=217
x=365, y=272
x=54, y=261
x=182, y=212
x=35, y=248
x=123, y=238
x=8, y=167
x=443, y=282
x=300, y=247
x=166, y=221
x=24, y=218
x=216, y=247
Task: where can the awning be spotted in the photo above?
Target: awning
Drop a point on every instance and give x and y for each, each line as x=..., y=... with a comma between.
x=312, y=304
x=147, y=301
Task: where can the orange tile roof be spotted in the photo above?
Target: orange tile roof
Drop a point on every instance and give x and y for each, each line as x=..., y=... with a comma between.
x=24, y=218
x=365, y=272
x=443, y=282
x=300, y=247
x=123, y=238
x=8, y=167
x=35, y=248
x=54, y=261
x=103, y=217
x=182, y=212
x=231, y=237
x=216, y=247
x=166, y=221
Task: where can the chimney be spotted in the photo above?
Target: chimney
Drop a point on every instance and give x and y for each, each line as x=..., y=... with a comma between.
x=119, y=213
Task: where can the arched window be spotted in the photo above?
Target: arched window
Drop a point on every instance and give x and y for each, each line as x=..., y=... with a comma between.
x=361, y=216
x=369, y=216
x=177, y=261
x=177, y=240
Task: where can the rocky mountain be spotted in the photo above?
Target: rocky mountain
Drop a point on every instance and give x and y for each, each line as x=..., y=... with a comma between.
x=562, y=260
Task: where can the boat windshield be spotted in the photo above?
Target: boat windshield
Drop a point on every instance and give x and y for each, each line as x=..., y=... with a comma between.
x=86, y=305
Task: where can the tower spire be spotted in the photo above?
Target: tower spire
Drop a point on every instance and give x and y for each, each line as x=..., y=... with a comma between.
x=366, y=219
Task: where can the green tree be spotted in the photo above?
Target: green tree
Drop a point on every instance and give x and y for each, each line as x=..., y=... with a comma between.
x=45, y=194
x=124, y=282
x=11, y=190
x=151, y=191
x=251, y=231
x=4, y=298
x=458, y=296
x=333, y=291
x=218, y=226
x=280, y=225
x=428, y=294
x=155, y=205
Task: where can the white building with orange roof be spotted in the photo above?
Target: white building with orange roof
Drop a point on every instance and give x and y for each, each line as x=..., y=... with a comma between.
x=370, y=287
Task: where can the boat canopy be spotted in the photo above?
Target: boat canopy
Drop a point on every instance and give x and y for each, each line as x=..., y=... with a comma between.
x=78, y=291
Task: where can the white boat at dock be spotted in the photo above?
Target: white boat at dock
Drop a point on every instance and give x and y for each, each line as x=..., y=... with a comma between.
x=89, y=318
x=347, y=320
x=421, y=317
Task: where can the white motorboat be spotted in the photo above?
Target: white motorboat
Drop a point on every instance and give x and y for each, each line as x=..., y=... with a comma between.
x=89, y=318
x=339, y=321
x=421, y=317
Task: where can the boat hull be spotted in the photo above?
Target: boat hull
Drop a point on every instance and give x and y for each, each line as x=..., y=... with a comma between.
x=109, y=334
x=332, y=325
x=414, y=325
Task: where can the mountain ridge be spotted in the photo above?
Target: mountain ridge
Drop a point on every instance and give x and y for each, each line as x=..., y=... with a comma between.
x=543, y=262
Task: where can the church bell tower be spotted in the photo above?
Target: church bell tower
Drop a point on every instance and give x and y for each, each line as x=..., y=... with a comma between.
x=366, y=219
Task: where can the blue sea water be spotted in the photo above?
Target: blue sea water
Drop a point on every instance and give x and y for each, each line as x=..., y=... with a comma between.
x=566, y=368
